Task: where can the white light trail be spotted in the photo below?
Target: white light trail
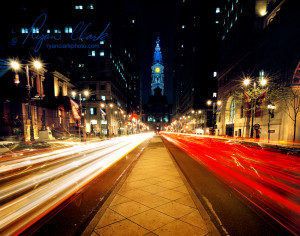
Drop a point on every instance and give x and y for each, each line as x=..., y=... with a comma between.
x=59, y=181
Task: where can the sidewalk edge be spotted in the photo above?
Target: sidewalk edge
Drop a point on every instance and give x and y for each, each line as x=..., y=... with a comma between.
x=210, y=225
x=93, y=223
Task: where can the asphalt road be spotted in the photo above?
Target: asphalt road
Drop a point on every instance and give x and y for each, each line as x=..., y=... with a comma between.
x=74, y=214
x=230, y=212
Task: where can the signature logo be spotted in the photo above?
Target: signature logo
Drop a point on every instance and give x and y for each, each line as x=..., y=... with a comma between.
x=79, y=33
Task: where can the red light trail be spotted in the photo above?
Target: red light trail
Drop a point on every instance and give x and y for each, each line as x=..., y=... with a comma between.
x=268, y=179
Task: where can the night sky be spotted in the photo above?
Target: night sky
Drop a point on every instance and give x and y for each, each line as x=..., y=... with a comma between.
x=157, y=19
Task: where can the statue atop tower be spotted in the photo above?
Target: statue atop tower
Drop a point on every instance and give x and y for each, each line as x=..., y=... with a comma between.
x=157, y=70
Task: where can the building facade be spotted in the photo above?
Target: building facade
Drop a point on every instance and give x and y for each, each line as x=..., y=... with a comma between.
x=258, y=67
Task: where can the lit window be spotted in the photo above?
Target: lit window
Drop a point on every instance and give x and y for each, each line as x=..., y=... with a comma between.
x=215, y=74
x=232, y=111
x=92, y=53
x=57, y=31
x=101, y=42
x=24, y=30
x=103, y=98
x=183, y=26
x=68, y=30
x=217, y=10
x=91, y=7
x=261, y=74
x=79, y=7
x=35, y=30
x=217, y=22
x=132, y=21
x=48, y=31
x=102, y=53
x=93, y=111
x=94, y=122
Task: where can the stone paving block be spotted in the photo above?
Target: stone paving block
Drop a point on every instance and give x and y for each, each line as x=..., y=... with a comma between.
x=180, y=228
x=151, y=219
x=128, y=209
x=122, y=228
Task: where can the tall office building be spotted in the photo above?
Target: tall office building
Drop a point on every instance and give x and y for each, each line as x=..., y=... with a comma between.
x=84, y=44
x=196, y=57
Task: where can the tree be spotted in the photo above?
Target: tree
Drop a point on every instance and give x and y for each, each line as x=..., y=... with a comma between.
x=282, y=91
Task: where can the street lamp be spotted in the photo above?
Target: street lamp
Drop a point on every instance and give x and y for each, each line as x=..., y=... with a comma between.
x=271, y=108
x=82, y=115
x=214, y=103
x=38, y=65
x=108, y=113
x=16, y=66
x=246, y=82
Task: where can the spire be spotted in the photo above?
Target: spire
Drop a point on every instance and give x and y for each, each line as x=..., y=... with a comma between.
x=157, y=70
x=157, y=53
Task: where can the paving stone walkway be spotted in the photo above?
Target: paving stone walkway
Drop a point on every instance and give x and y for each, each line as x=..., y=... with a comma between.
x=155, y=199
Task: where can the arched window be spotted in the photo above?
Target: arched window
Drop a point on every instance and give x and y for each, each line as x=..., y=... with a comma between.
x=232, y=111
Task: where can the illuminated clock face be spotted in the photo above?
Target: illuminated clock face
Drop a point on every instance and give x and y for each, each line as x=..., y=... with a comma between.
x=157, y=69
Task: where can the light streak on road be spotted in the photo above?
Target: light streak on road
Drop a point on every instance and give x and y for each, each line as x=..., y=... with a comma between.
x=56, y=176
x=268, y=179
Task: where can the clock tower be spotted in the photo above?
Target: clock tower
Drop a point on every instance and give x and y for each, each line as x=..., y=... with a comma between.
x=157, y=70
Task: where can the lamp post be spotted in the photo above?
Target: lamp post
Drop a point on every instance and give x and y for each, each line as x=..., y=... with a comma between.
x=108, y=115
x=214, y=103
x=246, y=82
x=81, y=127
x=16, y=66
x=271, y=108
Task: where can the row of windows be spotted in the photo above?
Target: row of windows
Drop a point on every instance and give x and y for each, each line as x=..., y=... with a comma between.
x=92, y=98
x=92, y=53
x=231, y=16
x=80, y=7
x=152, y=119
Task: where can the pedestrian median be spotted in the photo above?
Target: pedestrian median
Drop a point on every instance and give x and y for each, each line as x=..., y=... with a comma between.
x=153, y=198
